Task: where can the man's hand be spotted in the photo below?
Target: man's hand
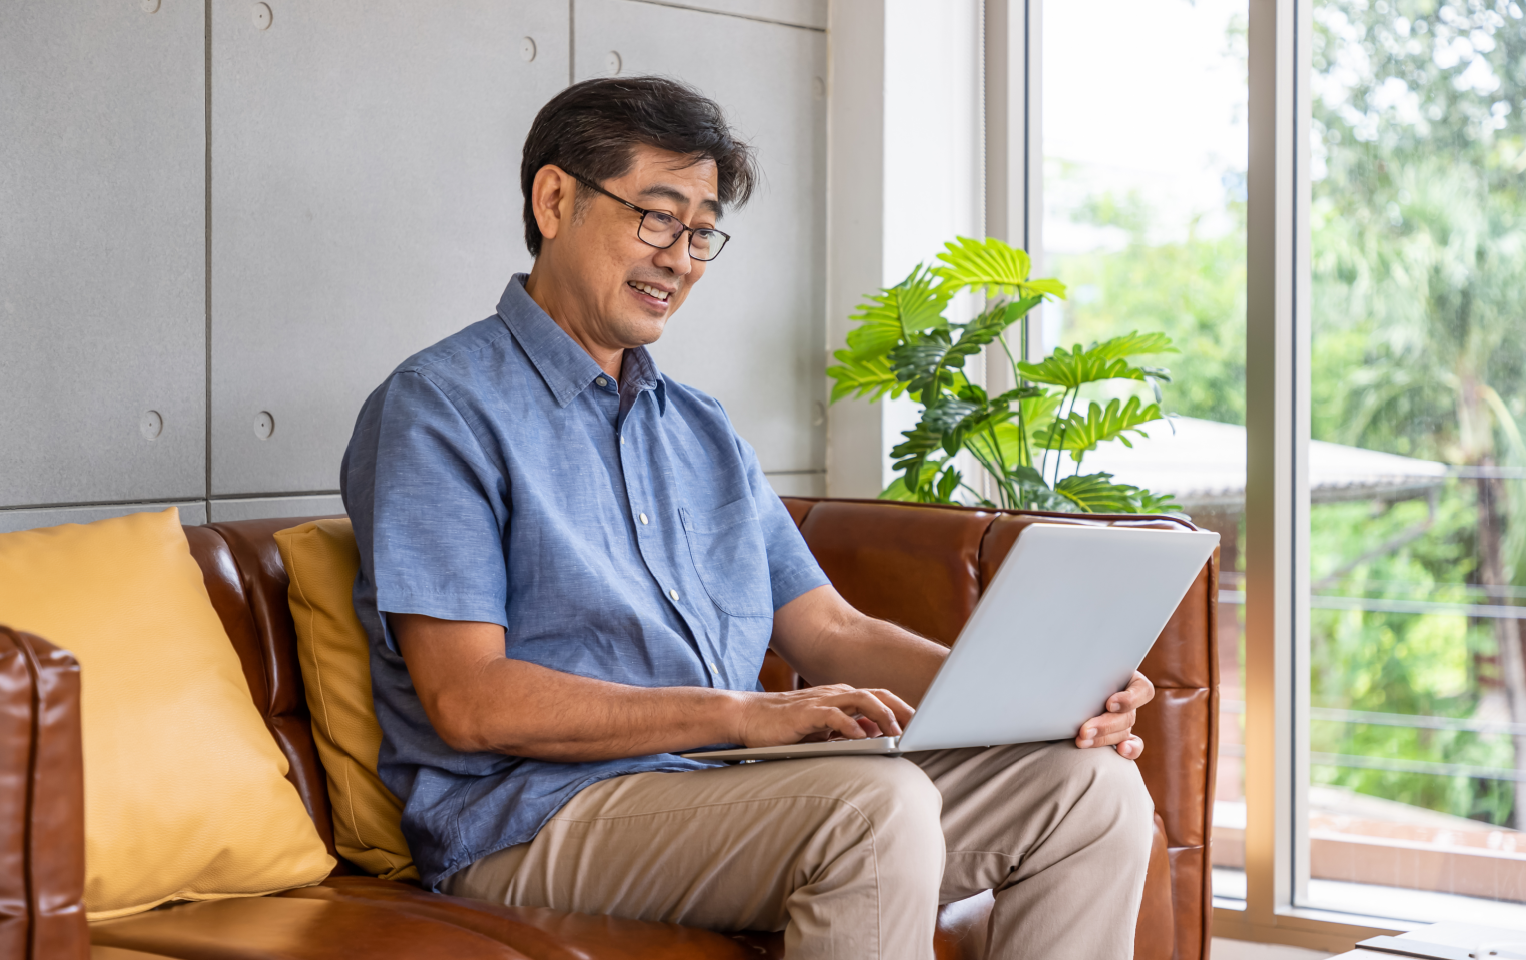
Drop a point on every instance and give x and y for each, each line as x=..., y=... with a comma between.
x=817, y=713
x=1116, y=726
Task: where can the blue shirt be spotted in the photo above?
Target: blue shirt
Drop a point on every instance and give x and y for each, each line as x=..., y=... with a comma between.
x=616, y=531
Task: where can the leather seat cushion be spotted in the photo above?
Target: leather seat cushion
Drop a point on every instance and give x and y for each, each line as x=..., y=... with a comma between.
x=350, y=917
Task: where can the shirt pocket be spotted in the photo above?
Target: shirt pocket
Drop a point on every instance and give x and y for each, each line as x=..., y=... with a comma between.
x=726, y=545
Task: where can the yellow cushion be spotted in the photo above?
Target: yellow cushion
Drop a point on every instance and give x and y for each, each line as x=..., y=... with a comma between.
x=321, y=559
x=186, y=796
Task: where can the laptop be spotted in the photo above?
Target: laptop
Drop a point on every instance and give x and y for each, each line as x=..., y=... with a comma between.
x=1066, y=621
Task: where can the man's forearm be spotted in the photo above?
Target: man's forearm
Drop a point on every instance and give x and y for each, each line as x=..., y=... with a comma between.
x=828, y=641
x=528, y=710
x=477, y=700
x=875, y=653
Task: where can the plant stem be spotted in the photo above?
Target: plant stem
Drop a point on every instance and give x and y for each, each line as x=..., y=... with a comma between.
x=1017, y=378
x=1058, y=422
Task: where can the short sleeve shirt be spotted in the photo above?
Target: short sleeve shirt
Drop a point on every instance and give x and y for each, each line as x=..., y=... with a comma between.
x=616, y=529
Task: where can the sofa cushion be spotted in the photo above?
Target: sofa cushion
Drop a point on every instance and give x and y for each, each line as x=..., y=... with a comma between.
x=321, y=561
x=185, y=791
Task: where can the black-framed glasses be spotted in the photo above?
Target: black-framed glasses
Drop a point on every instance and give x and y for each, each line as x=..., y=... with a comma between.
x=662, y=230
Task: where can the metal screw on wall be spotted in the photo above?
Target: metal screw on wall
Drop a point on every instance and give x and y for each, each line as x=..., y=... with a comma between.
x=527, y=49
x=262, y=16
x=264, y=425
x=149, y=6
x=151, y=424
x=612, y=63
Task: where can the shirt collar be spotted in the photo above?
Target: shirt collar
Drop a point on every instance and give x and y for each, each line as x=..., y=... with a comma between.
x=566, y=367
x=640, y=372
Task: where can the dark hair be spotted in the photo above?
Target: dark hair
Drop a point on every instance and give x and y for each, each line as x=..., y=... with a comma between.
x=591, y=129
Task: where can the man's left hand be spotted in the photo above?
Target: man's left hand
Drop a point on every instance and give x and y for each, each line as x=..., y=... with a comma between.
x=1116, y=726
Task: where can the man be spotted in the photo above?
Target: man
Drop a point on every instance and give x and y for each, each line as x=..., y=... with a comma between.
x=571, y=567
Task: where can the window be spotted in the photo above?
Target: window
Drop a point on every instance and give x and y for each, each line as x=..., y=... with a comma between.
x=1415, y=800
x=1144, y=206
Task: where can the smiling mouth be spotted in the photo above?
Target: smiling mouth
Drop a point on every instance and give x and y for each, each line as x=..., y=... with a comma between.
x=648, y=290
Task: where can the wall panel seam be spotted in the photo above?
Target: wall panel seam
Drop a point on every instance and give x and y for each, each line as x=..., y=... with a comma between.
x=206, y=78
x=136, y=501
x=734, y=16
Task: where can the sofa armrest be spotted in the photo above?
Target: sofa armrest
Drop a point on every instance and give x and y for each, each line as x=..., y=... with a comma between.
x=42, y=802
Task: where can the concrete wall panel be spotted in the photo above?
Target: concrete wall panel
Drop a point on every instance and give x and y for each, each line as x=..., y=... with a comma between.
x=365, y=203
x=813, y=484
x=102, y=309
x=752, y=333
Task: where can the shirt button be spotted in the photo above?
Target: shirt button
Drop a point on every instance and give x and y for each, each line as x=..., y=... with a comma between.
x=602, y=382
x=643, y=517
x=673, y=594
x=713, y=669
x=622, y=441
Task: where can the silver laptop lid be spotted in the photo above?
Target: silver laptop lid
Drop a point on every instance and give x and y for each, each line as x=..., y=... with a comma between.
x=1064, y=623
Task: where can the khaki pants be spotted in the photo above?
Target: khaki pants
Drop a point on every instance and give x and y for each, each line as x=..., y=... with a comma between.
x=851, y=856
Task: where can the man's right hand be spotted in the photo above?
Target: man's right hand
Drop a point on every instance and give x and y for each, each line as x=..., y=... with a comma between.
x=819, y=713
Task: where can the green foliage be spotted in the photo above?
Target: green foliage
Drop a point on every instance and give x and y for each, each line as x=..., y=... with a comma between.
x=1418, y=258
x=1192, y=290
x=1432, y=664
x=905, y=344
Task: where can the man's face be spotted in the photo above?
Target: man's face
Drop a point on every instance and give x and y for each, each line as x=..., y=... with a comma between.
x=628, y=289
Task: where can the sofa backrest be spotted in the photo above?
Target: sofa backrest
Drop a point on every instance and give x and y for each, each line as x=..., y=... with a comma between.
x=247, y=583
x=922, y=566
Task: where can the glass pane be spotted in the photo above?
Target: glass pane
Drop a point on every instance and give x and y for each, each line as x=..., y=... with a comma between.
x=1417, y=793
x=1144, y=218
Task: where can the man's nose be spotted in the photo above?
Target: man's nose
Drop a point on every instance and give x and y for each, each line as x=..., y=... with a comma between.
x=676, y=258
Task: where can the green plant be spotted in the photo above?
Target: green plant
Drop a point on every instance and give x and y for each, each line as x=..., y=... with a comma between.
x=905, y=345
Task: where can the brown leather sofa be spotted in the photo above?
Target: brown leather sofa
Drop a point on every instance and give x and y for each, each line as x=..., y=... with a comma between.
x=921, y=566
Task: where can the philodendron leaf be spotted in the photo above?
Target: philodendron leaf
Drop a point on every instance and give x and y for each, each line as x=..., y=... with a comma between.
x=1100, y=361
x=856, y=377
x=1135, y=344
x=1069, y=370
x=947, y=484
x=943, y=415
x=1078, y=433
x=1157, y=502
x=897, y=314
x=1096, y=493
x=993, y=266
x=921, y=299
x=897, y=491
x=1038, y=412
x=1029, y=476
x=986, y=327
x=1001, y=444
x=916, y=364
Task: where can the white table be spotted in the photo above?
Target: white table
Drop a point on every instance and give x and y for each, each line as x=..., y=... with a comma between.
x=1465, y=937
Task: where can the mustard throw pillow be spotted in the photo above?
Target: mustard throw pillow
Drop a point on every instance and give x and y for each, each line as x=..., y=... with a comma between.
x=321, y=559
x=186, y=796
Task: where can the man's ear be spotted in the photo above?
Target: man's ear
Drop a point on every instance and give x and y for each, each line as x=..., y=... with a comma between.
x=552, y=195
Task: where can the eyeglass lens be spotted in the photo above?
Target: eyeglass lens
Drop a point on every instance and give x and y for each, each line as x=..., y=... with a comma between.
x=661, y=230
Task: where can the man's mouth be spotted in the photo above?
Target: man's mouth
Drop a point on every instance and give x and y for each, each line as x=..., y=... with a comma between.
x=649, y=290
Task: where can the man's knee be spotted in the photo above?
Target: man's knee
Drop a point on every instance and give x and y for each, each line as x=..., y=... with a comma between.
x=899, y=810
x=1115, y=796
